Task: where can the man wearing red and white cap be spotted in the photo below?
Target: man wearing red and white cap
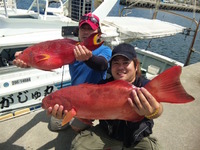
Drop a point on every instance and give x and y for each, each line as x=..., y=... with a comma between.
x=89, y=67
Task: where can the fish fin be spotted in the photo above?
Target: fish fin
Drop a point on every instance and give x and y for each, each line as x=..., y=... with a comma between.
x=139, y=118
x=42, y=57
x=119, y=83
x=86, y=121
x=114, y=84
x=69, y=116
x=93, y=41
x=167, y=87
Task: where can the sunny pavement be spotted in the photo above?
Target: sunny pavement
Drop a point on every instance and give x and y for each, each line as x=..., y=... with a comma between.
x=177, y=129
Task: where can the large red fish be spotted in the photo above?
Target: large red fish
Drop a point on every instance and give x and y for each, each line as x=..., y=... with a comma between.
x=56, y=53
x=109, y=101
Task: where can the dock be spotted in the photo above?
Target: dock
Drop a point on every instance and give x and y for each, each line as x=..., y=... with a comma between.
x=177, y=128
x=162, y=6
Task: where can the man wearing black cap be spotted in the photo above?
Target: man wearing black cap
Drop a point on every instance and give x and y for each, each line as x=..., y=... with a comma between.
x=120, y=134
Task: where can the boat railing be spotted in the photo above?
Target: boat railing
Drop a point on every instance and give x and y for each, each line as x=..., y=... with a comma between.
x=41, y=8
x=8, y=4
x=46, y=7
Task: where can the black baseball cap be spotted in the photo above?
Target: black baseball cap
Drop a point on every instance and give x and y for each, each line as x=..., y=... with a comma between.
x=125, y=50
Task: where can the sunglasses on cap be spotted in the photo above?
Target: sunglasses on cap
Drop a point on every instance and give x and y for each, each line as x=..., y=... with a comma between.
x=92, y=19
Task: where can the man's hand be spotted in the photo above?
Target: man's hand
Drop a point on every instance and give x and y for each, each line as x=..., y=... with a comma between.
x=144, y=103
x=18, y=62
x=57, y=111
x=82, y=53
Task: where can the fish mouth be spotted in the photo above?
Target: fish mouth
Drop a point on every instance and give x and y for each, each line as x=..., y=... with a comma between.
x=44, y=104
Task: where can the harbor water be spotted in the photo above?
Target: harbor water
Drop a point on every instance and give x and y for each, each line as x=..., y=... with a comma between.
x=175, y=47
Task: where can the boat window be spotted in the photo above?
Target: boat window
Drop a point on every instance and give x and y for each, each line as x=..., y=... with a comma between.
x=154, y=70
x=7, y=55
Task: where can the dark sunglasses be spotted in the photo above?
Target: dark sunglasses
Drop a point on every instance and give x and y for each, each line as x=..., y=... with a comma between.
x=92, y=19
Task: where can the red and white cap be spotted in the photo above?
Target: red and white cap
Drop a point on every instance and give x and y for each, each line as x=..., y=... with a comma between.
x=90, y=19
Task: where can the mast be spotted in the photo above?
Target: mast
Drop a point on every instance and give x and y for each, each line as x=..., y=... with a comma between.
x=156, y=9
x=191, y=49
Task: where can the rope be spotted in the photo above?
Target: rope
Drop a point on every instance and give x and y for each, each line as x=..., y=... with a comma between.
x=62, y=79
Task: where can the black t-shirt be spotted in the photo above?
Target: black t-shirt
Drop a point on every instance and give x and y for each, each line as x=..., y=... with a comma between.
x=128, y=132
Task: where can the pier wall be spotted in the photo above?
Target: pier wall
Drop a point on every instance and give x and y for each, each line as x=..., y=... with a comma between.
x=165, y=6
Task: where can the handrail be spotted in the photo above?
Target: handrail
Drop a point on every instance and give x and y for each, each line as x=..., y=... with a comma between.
x=8, y=4
x=36, y=2
x=5, y=7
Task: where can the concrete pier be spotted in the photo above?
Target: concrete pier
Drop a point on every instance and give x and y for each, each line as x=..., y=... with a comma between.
x=164, y=6
x=177, y=129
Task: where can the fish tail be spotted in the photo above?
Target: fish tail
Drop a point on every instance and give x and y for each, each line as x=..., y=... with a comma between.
x=93, y=41
x=167, y=87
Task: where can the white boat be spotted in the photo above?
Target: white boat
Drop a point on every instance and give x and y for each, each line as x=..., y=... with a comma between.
x=18, y=87
x=24, y=88
x=23, y=25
